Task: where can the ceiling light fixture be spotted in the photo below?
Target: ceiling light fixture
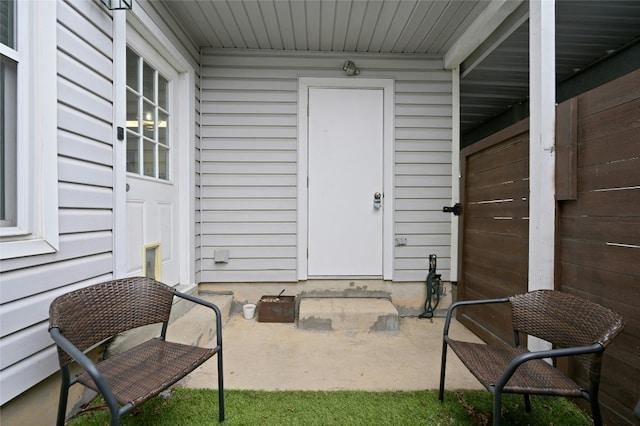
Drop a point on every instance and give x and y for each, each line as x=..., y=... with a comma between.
x=350, y=68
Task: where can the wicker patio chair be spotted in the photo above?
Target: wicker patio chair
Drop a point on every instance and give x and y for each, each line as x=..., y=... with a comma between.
x=574, y=326
x=81, y=319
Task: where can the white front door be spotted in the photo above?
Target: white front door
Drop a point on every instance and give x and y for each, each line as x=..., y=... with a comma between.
x=152, y=168
x=345, y=186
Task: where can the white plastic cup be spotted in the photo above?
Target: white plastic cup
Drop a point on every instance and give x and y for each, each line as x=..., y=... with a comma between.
x=249, y=310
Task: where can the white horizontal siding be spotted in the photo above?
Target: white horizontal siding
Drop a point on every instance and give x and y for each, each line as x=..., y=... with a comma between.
x=73, y=120
x=85, y=176
x=75, y=221
x=21, y=376
x=85, y=163
x=70, y=93
x=84, y=76
x=74, y=170
x=80, y=146
x=248, y=155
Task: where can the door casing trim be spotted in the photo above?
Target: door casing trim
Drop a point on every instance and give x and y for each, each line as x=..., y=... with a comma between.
x=388, y=87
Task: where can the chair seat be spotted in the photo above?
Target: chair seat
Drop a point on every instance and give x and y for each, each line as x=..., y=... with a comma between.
x=146, y=370
x=488, y=362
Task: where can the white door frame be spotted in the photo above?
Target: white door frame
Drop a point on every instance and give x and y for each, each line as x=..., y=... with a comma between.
x=387, y=85
x=185, y=86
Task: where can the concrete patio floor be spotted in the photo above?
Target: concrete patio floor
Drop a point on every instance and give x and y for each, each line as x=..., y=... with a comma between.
x=279, y=356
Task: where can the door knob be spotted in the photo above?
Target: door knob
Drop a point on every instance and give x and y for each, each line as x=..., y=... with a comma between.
x=377, y=200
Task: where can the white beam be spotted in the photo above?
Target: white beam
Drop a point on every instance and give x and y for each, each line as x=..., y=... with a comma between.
x=479, y=30
x=542, y=85
x=500, y=34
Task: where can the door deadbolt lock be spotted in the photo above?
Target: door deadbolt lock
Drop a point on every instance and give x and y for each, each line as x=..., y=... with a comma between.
x=377, y=200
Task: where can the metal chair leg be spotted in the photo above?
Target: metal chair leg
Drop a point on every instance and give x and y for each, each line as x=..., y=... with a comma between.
x=220, y=388
x=64, y=395
x=443, y=367
x=595, y=405
x=527, y=403
x=497, y=408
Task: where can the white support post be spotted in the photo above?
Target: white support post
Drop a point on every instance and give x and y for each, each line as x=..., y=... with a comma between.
x=119, y=146
x=455, y=168
x=542, y=85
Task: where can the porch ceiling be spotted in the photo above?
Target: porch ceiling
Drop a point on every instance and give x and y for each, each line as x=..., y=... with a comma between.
x=495, y=76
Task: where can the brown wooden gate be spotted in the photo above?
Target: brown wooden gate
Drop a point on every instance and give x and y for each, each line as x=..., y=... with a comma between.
x=495, y=226
x=597, y=233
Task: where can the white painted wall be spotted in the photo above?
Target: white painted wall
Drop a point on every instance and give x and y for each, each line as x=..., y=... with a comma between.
x=249, y=160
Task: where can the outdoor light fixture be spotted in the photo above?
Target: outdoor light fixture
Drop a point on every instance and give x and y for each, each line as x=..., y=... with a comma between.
x=350, y=68
x=118, y=4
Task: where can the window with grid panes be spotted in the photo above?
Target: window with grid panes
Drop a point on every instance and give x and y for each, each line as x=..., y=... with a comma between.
x=28, y=129
x=148, y=119
x=8, y=108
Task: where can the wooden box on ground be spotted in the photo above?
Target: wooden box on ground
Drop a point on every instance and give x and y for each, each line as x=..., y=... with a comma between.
x=277, y=309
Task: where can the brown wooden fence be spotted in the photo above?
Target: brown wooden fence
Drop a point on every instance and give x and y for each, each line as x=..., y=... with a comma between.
x=598, y=232
x=598, y=225
x=495, y=226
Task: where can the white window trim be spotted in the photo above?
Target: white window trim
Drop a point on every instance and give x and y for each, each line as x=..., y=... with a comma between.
x=37, y=170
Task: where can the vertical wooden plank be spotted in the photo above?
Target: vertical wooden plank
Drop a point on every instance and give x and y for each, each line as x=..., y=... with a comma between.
x=567, y=150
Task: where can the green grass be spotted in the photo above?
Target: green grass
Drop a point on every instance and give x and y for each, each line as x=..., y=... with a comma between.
x=185, y=407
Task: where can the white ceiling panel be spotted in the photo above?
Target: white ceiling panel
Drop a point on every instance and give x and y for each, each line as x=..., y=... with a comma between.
x=587, y=31
x=399, y=26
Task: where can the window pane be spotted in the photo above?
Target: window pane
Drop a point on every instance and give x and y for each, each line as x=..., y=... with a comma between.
x=149, y=157
x=133, y=119
x=148, y=75
x=7, y=23
x=149, y=120
x=163, y=162
x=132, y=71
x=163, y=128
x=133, y=153
x=163, y=92
x=8, y=157
x=148, y=116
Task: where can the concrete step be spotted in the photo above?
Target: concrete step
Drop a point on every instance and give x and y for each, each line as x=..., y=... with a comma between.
x=197, y=325
x=349, y=313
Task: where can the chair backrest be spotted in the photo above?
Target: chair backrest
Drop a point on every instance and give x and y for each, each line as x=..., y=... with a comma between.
x=90, y=315
x=566, y=321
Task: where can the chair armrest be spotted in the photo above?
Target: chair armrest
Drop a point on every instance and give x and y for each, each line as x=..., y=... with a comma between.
x=455, y=305
x=551, y=353
x=86, y=364
x=210, y=305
